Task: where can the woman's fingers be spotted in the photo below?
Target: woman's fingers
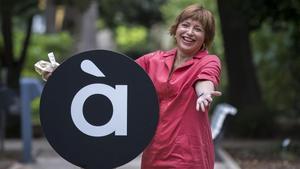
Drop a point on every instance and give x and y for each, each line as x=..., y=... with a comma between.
x=205, y=99
x=202, y=106
x=216, y=93
x=46, y=75
x=209, y=99
x=205, y=102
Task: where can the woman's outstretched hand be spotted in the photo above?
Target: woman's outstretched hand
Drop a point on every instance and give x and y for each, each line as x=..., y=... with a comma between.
x=204, y=99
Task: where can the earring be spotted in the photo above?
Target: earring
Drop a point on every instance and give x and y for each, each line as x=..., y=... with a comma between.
x=203, y=46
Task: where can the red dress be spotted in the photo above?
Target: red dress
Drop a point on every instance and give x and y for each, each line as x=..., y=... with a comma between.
x=183, y=137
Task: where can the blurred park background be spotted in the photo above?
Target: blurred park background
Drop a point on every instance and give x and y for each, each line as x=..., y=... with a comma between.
x=258, y=42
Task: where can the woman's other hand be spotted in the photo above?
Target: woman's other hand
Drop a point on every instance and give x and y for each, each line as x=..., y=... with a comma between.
x=205, y=91
x=205, y=99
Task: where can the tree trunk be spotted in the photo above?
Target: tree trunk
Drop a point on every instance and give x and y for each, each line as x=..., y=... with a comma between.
x=50, y=17
x=87, y=28
x=7, y=55
x=11, y=66
x=14, y=72
x=244, y=91
x=6, y=26
x=243, y=85
x=71, y=19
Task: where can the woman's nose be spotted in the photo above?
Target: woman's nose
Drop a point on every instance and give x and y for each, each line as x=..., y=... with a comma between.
x=190, y=30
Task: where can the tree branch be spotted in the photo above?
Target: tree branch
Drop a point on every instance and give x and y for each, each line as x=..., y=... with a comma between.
x=6, y=26
x=25, y=43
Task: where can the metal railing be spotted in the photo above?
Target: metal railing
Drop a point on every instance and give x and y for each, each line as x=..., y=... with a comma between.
x=218, y=117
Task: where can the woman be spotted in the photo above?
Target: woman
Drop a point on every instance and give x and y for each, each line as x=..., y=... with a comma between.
x=185, y=79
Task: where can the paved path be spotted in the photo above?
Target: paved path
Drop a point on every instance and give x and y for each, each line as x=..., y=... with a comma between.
x=46, y=158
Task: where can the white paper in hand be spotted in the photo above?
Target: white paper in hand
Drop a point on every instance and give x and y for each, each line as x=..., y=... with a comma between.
x=44, y=67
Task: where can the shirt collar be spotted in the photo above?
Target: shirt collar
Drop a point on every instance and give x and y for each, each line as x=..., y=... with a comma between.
x=170, y=52
x=170, y=55
x=199, y=55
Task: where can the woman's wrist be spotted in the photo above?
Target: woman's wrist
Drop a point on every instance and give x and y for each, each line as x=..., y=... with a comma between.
x=200, y=94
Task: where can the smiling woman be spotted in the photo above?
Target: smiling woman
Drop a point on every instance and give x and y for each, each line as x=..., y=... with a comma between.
x=185, y=79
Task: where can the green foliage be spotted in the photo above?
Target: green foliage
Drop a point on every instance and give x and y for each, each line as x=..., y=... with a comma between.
x=275, y=38
x=259, y=11
x=100, y=24
x=173, y=7
x=22, y=8
x=131, y=20
x=277, y=64
x=137, y=12
x=35, y=105
x=131, y=38
x=41, y=45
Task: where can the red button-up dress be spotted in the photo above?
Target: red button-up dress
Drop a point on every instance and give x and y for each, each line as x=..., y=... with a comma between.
x=183, y=137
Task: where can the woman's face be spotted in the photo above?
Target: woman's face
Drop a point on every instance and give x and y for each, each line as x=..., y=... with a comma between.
x=189, y=36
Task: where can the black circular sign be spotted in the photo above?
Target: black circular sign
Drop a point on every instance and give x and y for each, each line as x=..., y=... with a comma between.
x=99, y=109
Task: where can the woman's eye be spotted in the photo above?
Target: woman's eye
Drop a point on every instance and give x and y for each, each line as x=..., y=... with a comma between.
x=198, y=29
x=184, y=25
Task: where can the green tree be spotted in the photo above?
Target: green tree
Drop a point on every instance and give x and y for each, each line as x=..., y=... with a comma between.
x=137, y=12
x=277, y=44
x=129, y=38
x=244, y=90
x=132, y=23
x=239, y=19
x=15, y=16
x=11, y=62
x=278, y=64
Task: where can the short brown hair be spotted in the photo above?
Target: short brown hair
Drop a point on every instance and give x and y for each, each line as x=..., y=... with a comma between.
x=198, y=13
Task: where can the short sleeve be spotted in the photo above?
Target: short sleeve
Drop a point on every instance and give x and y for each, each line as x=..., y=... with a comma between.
x=211, y=71
x=144, y=60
